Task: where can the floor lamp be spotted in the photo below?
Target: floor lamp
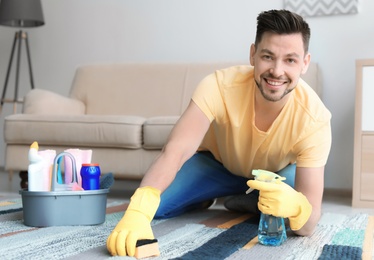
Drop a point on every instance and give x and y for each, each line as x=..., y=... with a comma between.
x=22, y=14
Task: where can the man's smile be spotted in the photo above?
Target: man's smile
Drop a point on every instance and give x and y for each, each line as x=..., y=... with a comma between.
x=275, y=84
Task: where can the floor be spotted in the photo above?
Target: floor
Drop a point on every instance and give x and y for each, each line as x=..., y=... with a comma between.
x=336, y=202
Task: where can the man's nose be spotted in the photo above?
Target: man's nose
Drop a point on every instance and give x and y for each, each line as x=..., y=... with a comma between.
x=277, y=69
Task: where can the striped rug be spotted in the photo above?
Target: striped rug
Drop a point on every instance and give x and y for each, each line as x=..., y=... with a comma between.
x=207, y=234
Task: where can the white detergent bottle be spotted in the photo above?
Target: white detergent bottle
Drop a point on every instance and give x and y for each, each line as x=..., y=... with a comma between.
x=38, y=180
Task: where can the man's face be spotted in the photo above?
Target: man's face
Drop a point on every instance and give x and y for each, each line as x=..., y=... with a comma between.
x=278, y=62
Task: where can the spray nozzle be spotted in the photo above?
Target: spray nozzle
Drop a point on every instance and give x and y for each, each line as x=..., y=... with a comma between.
x=266, y=176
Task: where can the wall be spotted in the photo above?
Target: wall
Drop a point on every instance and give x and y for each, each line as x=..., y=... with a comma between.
x=85, y=31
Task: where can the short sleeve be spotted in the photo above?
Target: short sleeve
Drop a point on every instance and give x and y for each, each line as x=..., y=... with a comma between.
x=208, y=98
x=315, y=148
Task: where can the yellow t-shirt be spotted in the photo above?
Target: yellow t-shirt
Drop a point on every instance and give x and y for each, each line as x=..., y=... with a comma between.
x=300, y=134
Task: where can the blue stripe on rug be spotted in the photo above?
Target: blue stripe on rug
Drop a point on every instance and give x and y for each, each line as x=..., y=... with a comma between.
x=340, y=252
x=3, y=212
x=233, y=239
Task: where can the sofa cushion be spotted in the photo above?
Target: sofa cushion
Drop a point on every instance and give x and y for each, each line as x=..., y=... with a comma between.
x=74, y=131
x=156, y=131
x=44, y=102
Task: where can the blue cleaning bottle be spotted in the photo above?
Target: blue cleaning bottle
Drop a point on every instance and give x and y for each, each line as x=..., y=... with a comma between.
x=90, y=173
x=271, y=230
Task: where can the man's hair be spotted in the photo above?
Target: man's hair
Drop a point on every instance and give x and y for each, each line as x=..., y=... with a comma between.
x=282, y=22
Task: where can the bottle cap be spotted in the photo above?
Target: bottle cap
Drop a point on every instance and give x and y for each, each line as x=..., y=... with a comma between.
x=90, y=164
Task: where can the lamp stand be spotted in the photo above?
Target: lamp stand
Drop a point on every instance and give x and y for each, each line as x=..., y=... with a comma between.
x=18, y=37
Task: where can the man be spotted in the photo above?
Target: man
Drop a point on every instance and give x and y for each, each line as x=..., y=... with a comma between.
x=239, y=119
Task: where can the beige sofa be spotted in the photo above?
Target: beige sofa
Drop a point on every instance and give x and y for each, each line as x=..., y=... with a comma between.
x=123, y=112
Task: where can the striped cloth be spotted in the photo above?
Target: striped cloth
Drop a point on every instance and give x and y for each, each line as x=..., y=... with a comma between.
x=206, y=234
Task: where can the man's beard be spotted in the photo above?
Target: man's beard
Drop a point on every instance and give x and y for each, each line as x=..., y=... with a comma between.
x=272, y=98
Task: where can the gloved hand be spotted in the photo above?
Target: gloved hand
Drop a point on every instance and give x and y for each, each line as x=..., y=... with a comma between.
x=136, y=223
x=281, y=200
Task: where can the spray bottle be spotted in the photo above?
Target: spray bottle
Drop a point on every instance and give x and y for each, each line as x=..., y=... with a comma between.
x=271, y=230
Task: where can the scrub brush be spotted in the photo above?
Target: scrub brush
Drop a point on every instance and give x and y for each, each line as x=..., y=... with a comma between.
x=106, y=180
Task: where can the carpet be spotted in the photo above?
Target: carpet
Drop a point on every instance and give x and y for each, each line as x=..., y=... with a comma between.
x=206, y=234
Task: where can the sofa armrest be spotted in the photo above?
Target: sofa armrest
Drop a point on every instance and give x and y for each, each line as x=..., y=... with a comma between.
x=39, y=101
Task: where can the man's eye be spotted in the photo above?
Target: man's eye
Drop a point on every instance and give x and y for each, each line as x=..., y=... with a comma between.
x=266, y=57
x=291, y=61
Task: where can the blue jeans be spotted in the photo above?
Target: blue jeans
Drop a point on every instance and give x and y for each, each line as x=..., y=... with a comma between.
x=203, y=178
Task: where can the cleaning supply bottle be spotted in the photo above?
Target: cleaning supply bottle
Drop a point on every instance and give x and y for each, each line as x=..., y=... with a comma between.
x=271, y=229
x=40, y=168
x=90, y=173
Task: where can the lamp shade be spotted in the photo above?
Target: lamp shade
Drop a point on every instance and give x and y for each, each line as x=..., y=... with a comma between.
x=21, y=13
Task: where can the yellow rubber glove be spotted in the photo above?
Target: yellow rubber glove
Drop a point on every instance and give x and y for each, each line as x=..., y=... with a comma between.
x=136, y=223
x=281, y=200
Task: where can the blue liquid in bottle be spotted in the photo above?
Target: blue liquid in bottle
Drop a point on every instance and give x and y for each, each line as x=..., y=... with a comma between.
x=271, y=230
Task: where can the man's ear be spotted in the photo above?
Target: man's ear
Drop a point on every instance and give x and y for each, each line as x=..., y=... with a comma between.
x=252, y=54
x=306, y=63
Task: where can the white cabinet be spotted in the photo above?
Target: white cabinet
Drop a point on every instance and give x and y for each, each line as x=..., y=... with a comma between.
x=363, y=170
